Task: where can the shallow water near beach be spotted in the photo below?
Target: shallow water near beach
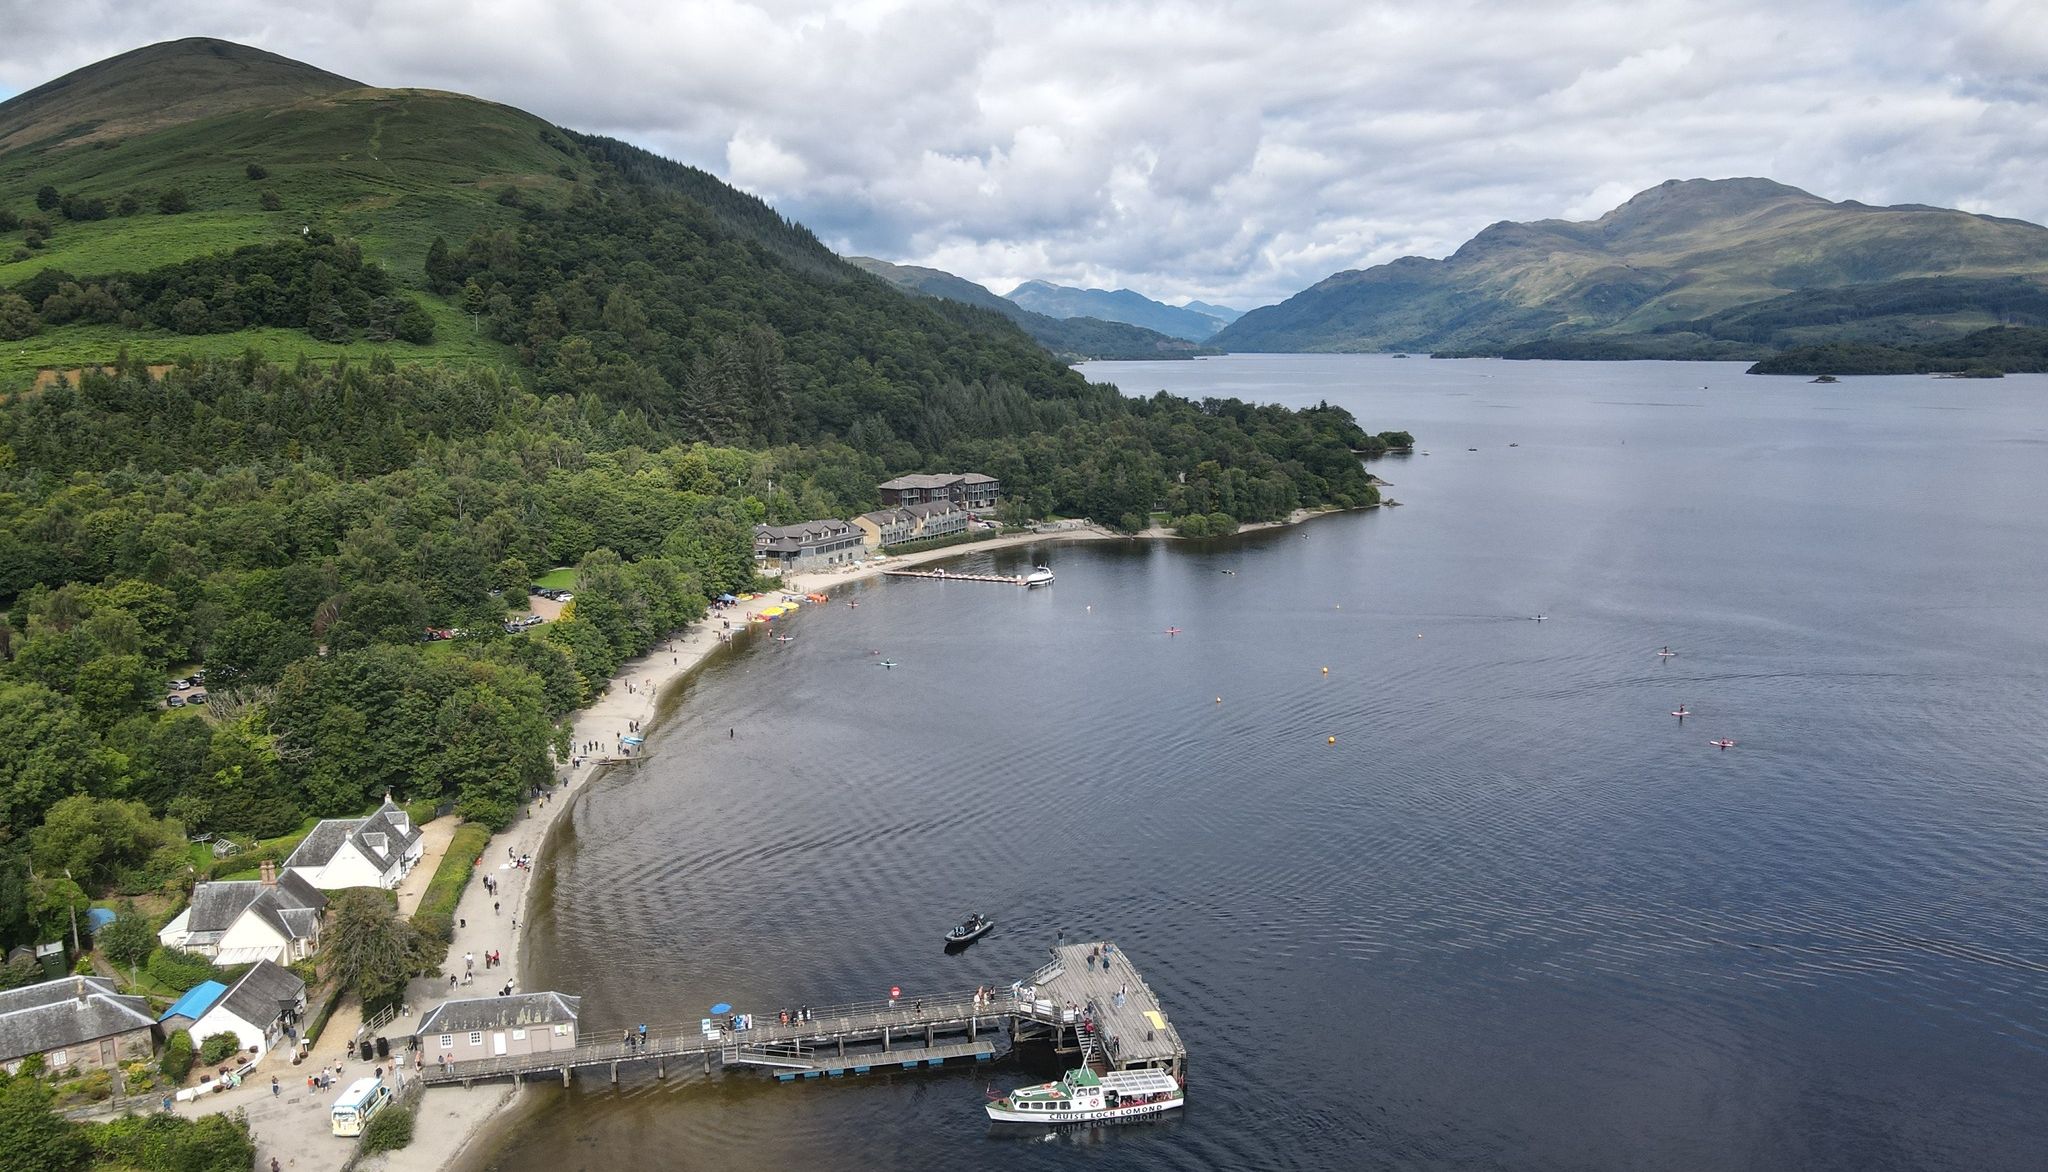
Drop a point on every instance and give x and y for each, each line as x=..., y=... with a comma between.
x=1516, y=916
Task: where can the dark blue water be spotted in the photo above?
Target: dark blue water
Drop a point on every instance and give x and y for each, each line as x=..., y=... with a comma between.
x=1517, y=916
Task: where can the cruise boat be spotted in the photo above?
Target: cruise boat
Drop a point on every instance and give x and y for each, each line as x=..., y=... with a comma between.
x=1039, y=576
x=1086, y=1097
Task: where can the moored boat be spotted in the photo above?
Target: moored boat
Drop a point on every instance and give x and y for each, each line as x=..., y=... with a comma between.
x=973, y=928
x=1086, y=1097
x=1039, y=576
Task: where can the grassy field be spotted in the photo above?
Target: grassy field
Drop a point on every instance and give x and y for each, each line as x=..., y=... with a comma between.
x=559, y=578
x=67, y=347
x=390, y=169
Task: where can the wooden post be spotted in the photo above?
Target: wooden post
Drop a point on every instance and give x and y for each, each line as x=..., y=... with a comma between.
x=885, y=1039
x=615, y=1074
x=927, y=1037
x=565, y=1076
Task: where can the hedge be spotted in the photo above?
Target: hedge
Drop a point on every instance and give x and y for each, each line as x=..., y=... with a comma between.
x=388, y=1130
x=434, y=918
x=216, y=1048
x=177, y=1059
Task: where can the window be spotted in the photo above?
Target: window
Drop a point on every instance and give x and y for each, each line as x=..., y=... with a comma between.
x=447, y=1041
x=519, y=1035
x=476, y=1037
x=57, y=1058
x=561, y=1031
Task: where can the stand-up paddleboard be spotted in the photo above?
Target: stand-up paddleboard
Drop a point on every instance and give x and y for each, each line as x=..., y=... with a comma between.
x=1682, y=713
x=1723, y=743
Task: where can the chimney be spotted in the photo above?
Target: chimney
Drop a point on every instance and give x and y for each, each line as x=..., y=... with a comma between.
x=80, y=989
x=268, y=871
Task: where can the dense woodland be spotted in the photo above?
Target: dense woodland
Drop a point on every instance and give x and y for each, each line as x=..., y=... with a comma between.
x=691, y=364
x=1984, y=354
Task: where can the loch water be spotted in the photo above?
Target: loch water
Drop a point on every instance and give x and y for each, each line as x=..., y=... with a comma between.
x=1516, y=916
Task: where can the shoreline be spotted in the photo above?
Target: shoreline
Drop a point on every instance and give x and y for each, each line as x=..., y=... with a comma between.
x=464, y=1120
x=469, y=1121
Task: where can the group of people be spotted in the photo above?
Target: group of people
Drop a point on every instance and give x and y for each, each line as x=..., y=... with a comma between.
x=796, y=1016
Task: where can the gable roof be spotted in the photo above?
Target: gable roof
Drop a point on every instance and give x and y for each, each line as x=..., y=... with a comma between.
x=196, y=1001
x=382, y=838
x=65, y=1012
x=489, y=1013
x=292, y=906
x=264, y=993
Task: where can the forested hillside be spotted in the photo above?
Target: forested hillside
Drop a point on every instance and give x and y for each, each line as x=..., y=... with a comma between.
x=369, y=363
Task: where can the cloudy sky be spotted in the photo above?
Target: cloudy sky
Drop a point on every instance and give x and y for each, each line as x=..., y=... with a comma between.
x=1234, y=152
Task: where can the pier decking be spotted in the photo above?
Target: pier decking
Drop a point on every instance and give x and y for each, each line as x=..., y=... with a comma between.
x=945, y=576
x=892, y=1035
x=1131, y=1030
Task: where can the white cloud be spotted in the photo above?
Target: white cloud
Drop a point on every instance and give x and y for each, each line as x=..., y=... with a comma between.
x=1232, y=150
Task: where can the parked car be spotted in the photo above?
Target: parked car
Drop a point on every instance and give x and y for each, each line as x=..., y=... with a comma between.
x=174, y=701
x=532, y=620
x=195, y=698
x=563, y=596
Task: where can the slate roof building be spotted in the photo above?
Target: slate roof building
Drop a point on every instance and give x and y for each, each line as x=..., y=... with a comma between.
x=968, y=490
x=810, y=545
x=274, y=918
x=74, y=1023
x=485, y=1027
x=261, y=1009
x=358, y=852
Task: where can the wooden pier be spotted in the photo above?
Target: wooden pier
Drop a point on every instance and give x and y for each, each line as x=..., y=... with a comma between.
x=944, y=576
x=1083, y=1002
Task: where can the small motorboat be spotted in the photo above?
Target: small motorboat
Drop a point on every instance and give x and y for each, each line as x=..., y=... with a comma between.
x=1039, y=576
x=972, y=928
x=1723, y=743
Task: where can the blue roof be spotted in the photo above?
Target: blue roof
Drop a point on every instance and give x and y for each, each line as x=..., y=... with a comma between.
x=99, y=917
x=196, y=1001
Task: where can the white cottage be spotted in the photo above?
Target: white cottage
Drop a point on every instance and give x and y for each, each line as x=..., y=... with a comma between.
x=262, y=1006
x=274, y=918
x=358, y=852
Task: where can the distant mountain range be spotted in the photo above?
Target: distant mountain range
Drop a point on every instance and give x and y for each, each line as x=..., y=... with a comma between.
x=1195, y=322
x=1068, y=337
x=1692, y=268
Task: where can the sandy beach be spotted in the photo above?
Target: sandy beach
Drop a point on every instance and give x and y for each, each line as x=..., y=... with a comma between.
x=452, y=1119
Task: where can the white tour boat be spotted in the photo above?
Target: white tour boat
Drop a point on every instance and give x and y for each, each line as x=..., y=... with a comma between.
x=1086, y=1097
x=1039, y=576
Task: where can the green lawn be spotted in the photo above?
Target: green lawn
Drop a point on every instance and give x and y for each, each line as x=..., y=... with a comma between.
x=559, y=578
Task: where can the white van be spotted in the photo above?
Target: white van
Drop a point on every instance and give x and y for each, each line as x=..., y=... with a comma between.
x=363, y=1098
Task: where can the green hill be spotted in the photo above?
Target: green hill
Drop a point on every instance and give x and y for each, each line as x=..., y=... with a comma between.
x=155, y=87
x=1665, y=273
x=1072, y=338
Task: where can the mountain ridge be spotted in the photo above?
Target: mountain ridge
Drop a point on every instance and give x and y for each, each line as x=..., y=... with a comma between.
x=1072, y=338
x=1683, y=251
x=158, y=86
x=1122, y=305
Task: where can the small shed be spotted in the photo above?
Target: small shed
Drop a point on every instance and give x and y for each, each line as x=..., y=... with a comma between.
x=191, y=1006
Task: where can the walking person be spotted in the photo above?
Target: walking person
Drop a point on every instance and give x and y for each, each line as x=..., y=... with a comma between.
x=275, y=1090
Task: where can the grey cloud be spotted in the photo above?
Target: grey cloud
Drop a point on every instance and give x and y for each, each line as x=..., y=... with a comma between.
x=1235, y=152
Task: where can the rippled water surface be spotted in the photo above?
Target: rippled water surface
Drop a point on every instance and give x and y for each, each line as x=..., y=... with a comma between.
x=1517, y=916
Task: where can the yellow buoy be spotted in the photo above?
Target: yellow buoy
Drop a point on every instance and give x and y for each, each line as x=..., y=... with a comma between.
x=1326, y=671
x=1219, y=699
x=1333, y=740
